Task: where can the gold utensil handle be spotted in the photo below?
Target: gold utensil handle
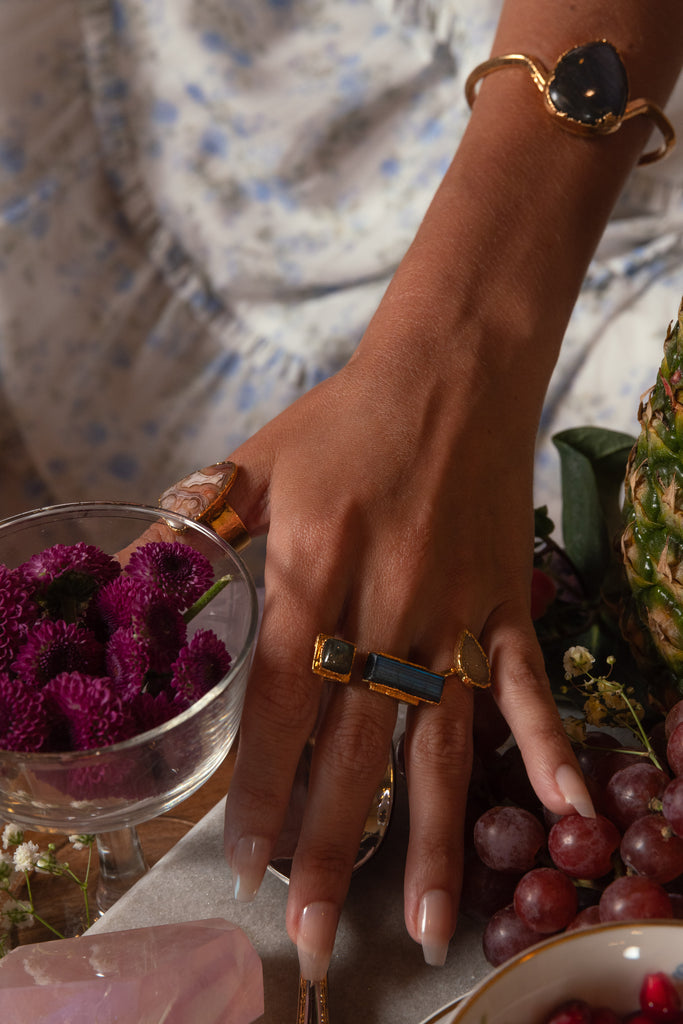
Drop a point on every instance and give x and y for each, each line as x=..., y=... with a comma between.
x=313, y=1007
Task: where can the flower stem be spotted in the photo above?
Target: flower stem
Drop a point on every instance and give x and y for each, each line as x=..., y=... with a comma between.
x=207, y=596
x=36, y=916
x=84, y=888
x=46, y=924
x=641, y=733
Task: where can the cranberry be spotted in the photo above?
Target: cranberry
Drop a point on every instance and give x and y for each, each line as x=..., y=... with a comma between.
x=576, y=1011
x=659, y=999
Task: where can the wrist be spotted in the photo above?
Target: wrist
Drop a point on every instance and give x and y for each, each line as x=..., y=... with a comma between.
x=509, y=235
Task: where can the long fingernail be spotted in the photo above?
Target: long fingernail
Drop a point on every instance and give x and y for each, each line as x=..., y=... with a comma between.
x=573, y=788
x=435, y=926
x=315, y=940
x=248, y=865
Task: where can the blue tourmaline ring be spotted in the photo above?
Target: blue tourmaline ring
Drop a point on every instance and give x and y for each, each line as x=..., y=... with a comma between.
x=414, y=684
x=587, y=92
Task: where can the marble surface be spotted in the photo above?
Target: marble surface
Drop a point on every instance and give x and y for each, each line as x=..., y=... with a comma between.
x=377, y=972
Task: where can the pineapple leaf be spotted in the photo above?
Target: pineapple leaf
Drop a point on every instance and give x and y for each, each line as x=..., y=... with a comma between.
x=592, y=464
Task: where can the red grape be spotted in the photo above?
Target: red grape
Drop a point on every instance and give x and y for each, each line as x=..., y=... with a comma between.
x=511, y=782
x=650, y=848
x=599, y=758
x=545, y=900
x=634, y=898
x=658, y=738
x=505, y=936
x=508, y=838
x=585, y=919
x=583, y=847
x=674, y=750
x=674, y=717
x=672, y=804
x=484, y=891
x=630, y=791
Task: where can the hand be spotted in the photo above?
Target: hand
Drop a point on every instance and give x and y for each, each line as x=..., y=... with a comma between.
x=399, y=513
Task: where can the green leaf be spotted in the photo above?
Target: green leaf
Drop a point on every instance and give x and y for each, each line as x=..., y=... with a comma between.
x=592, y=465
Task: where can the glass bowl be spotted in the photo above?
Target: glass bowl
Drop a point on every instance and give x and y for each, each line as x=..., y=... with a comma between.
x=119, y=786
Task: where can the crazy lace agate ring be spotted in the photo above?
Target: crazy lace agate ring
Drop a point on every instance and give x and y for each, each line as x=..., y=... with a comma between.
x=587, y=92
x=203, y=497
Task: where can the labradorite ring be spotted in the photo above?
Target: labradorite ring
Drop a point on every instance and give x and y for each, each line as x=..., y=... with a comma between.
x=406, y=681
x=203, y=497
x=587, y=92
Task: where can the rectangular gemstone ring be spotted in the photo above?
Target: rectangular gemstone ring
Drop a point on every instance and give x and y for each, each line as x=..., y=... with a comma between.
x=402, y=679
x=333, y=658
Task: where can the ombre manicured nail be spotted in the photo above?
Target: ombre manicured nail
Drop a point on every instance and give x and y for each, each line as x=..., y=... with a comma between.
x=249, y=862
x=315, y=939
x=435, y=926
x=573, y=788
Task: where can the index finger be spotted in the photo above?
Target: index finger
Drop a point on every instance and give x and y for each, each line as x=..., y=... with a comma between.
x=304, y=596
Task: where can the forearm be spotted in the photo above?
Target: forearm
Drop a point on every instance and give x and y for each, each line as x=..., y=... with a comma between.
x=500, y=257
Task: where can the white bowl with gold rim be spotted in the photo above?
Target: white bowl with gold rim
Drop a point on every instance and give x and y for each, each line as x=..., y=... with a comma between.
x=605, y=965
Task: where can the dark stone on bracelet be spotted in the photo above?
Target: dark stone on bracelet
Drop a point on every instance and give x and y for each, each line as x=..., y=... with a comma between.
x=590, y=86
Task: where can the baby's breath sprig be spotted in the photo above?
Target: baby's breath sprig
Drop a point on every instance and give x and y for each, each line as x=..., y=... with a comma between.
x=607, y=702
x=21, y=856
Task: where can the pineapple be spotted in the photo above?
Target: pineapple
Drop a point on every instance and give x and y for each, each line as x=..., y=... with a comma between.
x=652, y=539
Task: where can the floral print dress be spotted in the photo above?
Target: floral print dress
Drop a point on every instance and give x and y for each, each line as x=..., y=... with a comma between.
x=201, y=204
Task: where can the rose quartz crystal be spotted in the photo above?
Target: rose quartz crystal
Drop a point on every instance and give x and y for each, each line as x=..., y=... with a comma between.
x=203, y=972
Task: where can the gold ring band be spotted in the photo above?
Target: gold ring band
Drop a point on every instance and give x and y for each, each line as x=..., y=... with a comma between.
x=203, y=497
x=587, y=92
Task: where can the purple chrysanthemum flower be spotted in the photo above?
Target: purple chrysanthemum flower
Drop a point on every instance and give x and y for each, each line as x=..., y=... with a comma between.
x=178, y=571
x=56, y=561
x=23, y=716
x=64, y=577
x=154, y=621
x=91, y=712
x=127, y=662
x=114, y=604
x=152, y=711
x=17, y=612
x=202, y=663
x=54, y=647
x=160, y=628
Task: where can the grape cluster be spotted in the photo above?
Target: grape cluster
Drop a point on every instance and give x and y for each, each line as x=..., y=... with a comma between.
x=532, y=874
x=659, y=1002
